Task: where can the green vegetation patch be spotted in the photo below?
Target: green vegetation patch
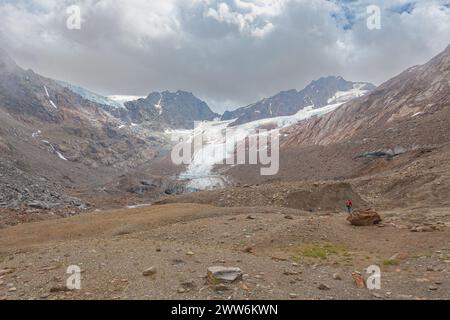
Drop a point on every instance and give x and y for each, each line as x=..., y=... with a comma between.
x=322, y=251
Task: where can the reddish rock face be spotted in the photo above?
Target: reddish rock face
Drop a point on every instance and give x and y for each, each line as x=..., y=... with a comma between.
x=364, y=218
x=360, y=282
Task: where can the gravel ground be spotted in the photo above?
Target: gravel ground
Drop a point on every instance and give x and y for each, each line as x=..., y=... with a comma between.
x=283, y=254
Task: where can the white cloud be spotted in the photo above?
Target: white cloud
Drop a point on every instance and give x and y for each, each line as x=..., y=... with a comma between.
x=222, y=50
x=251, y=17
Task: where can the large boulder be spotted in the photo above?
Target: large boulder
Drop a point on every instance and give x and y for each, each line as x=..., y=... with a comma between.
x=223, y=274
x=363, y=218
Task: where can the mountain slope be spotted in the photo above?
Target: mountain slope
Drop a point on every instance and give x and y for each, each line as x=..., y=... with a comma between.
x=412, y=108
x=178, y=109
x=398, y=136
x=80, y=128
x=325, y=91
x=49, y=132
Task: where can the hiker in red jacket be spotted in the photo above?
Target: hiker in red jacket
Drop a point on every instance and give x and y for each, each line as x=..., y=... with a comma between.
x=349, y=205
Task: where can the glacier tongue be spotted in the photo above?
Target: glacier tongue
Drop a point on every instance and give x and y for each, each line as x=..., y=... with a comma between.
x=116, y=101
x=216, y=150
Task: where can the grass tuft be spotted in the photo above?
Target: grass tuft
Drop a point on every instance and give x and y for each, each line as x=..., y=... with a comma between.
x=391, y=262
x=319, y=251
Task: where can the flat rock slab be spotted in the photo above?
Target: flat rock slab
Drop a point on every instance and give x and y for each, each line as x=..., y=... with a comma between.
x=223, y=274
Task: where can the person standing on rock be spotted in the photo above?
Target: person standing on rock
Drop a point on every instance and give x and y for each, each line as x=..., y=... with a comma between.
x=349, y=205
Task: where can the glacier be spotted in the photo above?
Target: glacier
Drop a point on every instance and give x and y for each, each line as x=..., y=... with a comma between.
x=92, y=96
x=216, y=150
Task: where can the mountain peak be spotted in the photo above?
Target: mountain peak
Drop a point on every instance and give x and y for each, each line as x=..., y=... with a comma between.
x=329, y=80
x=180, y=109
x=319, y=93
x=167, y=93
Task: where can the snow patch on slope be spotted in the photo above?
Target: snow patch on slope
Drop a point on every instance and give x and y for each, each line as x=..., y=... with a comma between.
x=344, y=96
x=53, y=104
x=49, y=100
x=122, y=99
x=58, y=153
x=36, y=134
x=158, y=106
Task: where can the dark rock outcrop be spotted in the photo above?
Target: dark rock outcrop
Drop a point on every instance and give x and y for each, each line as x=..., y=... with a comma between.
x=178, y=109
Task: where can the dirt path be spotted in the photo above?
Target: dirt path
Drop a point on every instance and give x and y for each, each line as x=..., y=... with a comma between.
x=283, y=253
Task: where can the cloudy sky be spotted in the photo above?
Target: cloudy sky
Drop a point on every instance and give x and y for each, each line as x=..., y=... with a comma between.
x=228, y=52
